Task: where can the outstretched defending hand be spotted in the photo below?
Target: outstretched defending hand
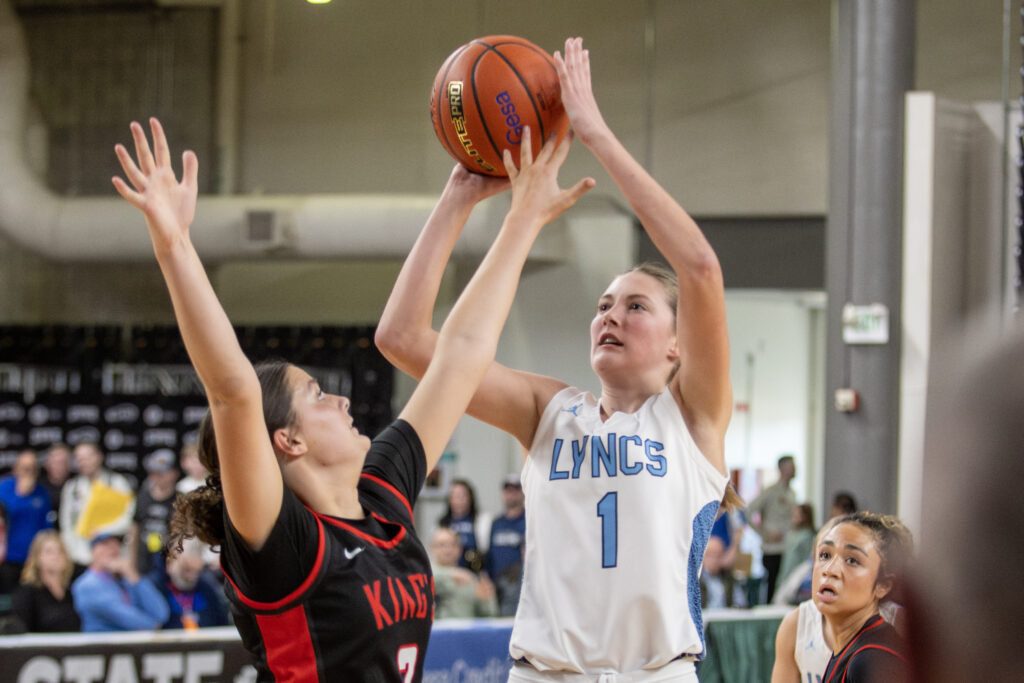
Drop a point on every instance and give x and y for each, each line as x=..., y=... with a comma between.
x=535, y=187
x=577, y=91
x=169, y=206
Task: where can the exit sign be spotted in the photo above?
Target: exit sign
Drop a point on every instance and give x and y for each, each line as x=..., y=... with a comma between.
x=866, y=324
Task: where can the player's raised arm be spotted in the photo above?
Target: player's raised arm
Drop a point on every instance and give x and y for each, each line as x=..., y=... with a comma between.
x=702, y=380
x=249, y=472
x=468, y=339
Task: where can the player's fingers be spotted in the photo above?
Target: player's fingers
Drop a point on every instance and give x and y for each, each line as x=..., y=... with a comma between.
x=142, y=152
x=131, y=171
x=561, y=149
x=526, y=148
x=133, y=197
x=510, y=165
x=578, y=190
x=161, y=152
x=190, y=169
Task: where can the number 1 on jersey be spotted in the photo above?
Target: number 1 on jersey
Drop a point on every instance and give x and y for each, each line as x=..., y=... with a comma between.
x=608, y=511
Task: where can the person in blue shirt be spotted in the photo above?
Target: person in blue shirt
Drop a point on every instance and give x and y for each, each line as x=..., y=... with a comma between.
x=26, y=505
x=505, y=554
x=111, y=596
x=193, y=594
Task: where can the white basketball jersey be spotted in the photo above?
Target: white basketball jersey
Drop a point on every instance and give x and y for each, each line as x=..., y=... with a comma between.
x=810, y=651
x=618, y=514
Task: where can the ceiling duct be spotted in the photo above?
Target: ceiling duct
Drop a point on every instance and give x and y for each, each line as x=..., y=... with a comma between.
x=68, y=229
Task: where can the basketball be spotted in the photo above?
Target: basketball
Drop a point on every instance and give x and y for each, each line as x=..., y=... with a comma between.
x=486, y=92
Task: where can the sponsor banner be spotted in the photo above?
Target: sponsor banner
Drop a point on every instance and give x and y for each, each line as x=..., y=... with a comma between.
x=459, y=650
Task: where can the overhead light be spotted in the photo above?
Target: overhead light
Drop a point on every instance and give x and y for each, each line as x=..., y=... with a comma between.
x=318, y=2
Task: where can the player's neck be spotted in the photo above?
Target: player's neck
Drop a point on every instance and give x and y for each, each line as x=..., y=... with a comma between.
x=841, y=629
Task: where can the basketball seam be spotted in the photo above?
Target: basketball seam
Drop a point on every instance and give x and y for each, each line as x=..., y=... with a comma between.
x=522, y=81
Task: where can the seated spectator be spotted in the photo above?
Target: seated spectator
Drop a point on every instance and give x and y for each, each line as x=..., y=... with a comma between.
x=42, y=602
x=472, y=525
x=195, y=472
x=713, y=587
x=111, y=596
x=504, y=563
x=27, y=506
x=458, y=592
x=192, y=592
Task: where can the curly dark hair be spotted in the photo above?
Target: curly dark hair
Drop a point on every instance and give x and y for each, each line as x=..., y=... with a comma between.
x=200, y=513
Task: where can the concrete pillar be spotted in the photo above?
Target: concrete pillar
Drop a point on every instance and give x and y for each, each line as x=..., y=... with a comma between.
x=872, y=58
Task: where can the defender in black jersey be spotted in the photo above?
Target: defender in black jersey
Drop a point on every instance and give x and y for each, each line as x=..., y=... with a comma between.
x=362, y=586
x=874, y=654
x=859, y=561
x=325, y=574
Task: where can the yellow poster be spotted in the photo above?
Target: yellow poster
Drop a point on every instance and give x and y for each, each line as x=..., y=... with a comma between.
x=104, y=507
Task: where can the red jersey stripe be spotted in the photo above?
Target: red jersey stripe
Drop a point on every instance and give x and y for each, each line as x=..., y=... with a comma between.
x=392, y=489
x=290, y=653
x=380, y=543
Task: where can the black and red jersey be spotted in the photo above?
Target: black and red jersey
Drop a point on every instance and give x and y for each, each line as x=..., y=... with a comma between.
x=875, y=655
x=330, y=599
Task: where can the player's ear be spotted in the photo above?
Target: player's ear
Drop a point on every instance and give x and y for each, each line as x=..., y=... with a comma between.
x=289, y=442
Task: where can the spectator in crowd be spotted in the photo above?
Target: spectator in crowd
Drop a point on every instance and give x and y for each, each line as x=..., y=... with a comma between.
x=458, y=592
x=771, y=515
x=154, y=506
x=193, y=594
x=111, y=596
x=799, y=542
x=471, y=524
x=42, y=602
x=57, y=470
x=96, y=500
x=27, y=506
x=712, y=584
x=195, y=473
x=728, y=529
x=843, y=503
x=505, y=551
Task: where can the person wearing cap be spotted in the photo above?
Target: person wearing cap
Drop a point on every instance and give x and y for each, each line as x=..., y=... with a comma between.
x=154, y=507
x=111, y=596
x=505, y=555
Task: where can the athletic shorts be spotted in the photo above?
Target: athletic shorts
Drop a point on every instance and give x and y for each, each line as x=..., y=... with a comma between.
x=679, y=670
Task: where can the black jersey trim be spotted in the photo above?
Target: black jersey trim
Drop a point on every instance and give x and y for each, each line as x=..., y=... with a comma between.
x=379, y=542
x=879, y=621
x=392, y=489
x=303, y=587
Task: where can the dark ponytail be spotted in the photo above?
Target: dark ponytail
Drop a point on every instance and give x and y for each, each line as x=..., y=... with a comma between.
x=200, y=513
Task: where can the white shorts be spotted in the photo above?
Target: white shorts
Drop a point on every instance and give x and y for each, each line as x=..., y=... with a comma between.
x=680, y=670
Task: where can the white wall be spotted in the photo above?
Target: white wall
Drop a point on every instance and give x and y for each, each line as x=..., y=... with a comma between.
x=777, y=370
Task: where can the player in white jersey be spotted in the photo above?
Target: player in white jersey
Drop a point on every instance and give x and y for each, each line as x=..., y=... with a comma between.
x=621, y=489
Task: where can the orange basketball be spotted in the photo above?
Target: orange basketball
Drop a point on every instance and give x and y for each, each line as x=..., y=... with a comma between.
x=486, y=92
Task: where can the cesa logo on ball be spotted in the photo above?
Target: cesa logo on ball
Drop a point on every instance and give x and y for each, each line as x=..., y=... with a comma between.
x=514, y=134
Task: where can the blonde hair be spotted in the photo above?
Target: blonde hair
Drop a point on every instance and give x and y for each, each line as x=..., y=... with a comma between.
x=30, y=572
